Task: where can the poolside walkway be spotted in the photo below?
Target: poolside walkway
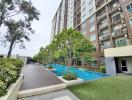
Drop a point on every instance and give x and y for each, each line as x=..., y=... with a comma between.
x=55, y=95
x=36, y=77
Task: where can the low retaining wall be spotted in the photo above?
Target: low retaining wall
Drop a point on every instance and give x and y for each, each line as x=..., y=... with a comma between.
x=13, y=90
x=37, y=91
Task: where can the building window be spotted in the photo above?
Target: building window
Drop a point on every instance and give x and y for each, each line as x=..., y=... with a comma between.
x=93, y=37
x=116, y=17
x=129, y=7
x=121, y=42
x=90, y=2
x=83, y=27
x=91, y=19
x=91, y=11
x=130, y=21
x=91, y=24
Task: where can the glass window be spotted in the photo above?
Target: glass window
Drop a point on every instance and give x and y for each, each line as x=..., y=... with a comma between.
x=120, y=43
x=116, y=17
x=91, y=23
x=130, y=21
x=93, y=37
x=129, y=7
x=92, y=29
x=91, y=19
x=83, y=28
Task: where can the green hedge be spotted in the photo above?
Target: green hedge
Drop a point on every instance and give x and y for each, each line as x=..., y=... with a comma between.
x=103, y=69
x=9, y=73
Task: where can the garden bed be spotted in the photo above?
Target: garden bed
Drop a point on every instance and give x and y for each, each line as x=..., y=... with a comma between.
x=13, y=90
x=71, y=82
x=9, y=73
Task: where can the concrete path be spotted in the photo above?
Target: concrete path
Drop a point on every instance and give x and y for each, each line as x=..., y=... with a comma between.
x=56, y=95
x=35, y=76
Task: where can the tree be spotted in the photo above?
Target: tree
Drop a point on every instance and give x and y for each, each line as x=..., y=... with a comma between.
x=17, y=32
x=11, y=8
x=18, y=28
x=68, y=45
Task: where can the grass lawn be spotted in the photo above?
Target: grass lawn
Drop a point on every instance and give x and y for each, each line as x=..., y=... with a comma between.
x=112, y=88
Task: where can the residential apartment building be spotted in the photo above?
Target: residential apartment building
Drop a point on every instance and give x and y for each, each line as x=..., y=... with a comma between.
x=107, y=23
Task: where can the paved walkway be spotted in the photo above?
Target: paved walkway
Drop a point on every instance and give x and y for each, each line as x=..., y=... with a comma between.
x=56, y=95
x=36, y=77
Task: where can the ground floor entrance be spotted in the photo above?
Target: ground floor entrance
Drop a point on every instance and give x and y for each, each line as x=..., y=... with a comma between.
x=118, y=60
x=123, y=64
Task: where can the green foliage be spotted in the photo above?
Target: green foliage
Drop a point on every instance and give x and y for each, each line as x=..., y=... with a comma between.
x=9, y=73
x=50, y=67
x=103, y=69
x=70, y=76
x=67, y=45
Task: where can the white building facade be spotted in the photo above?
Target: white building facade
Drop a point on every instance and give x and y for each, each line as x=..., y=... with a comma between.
x=70, y=14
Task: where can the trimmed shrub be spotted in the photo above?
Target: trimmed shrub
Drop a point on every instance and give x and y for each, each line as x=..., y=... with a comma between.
x=9, y=73
x=103, y=69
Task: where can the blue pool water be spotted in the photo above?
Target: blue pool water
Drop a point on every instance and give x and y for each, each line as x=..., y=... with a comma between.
x=83, y=74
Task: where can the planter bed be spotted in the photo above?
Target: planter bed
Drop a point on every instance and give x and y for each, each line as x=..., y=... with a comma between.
x=51, y=69
x=71, y=82
x=13, y=90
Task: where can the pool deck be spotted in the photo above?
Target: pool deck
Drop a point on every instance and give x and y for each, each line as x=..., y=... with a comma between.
x=35, y=76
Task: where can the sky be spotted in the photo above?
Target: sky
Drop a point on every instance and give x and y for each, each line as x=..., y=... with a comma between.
x=42, y=29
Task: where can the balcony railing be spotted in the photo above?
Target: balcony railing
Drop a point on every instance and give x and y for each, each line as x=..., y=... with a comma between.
x=103, y=25
x=102, y=16
x=99, y=3
x=104, y=37
x=117, y=19
x=119, y=32
x=116, y=7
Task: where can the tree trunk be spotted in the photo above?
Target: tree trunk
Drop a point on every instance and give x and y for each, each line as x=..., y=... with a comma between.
x=10, y=49
x=82, y=60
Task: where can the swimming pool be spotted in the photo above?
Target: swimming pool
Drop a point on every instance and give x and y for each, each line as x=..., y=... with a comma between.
x=83, y=74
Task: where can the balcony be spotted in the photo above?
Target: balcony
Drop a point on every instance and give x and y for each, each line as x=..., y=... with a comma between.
x=119, y=32
x=103, y=26
x=99, y=3
x=114, y=8
x=102, y=16
x=104, y=38
x=117, y=19
x=104, y=46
